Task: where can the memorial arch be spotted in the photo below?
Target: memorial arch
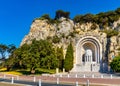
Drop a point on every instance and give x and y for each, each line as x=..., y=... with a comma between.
x=88, y=55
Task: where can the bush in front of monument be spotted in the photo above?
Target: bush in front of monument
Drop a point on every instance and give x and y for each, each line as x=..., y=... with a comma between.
x=115, y=64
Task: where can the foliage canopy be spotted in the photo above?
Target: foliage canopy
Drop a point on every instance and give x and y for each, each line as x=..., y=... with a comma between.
x=115, y=64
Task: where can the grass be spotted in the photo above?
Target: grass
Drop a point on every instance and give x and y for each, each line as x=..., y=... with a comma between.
x=39, y=71
x=3, y=70
x=13, y=73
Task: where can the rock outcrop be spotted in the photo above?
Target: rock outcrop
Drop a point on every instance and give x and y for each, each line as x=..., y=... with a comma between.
x=68, y=31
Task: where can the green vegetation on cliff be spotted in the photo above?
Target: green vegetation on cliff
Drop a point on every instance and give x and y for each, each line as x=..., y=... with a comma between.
x=111, y=33
x=103, y=19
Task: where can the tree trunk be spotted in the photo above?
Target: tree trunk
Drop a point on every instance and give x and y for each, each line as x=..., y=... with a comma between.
x=8, y=68
x=33, y=71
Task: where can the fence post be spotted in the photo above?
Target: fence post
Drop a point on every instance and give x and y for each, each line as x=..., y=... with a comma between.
x=34, y=79
x=39, y=82
x=76, y=83
x=12, y=81
x=87, y=84
x=84, y=75
x=53, y=75
x=60, y=75
x=101, y=76
x=111, y=76
x=57, y=80
x=76, y=76
x=68, y=75
x=4, y=76
x=93, y=76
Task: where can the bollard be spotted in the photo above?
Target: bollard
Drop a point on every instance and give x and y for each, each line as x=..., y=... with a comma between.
x=57, y=80
x=101, y=76
x=34, y=79
x=12, y=81
x=39, y=82
x=87, y=84
x=84, y=76
x=76, y=76
x=17, y=77
x=68, y=75
x=93, y=76
x=111, y=76
x=53, y=75
x=4, y=76
x=60, y=75
x=76, y=83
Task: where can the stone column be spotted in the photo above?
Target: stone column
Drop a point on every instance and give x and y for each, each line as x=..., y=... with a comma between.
x=91, y=58
x=88, y=58
x=85, y=58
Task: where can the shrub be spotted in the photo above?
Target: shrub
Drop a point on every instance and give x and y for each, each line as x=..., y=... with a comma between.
x=111, y=33
x=115, y=64
x=56, y=39
x=61, y=13
x=94, y=26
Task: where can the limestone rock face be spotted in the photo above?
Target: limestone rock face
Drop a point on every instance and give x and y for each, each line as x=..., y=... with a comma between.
x=40, y=29
x=114, y=45
x=65, y=27
x=68, y=31
x=116, y=25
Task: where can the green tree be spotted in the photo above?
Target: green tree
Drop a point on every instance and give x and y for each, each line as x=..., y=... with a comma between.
x=60, y=57
x=88, y=18
x=47, y=55
x=32, y=56
x=3, y=50
x=77, y=18
x=115, y=64
x=11, y=49
x=49, y=62
x=10, y=63
x=117, y=10
x=61, y=13
x=68, y=62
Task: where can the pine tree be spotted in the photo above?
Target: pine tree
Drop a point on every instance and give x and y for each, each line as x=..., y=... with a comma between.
x=60, y=57
x=68, y=62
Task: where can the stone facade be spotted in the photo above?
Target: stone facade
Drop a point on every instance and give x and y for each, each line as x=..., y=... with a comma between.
x=93, y=62
x=83, y=39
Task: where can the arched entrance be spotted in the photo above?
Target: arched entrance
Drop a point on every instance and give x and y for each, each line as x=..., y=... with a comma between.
x=88, y=55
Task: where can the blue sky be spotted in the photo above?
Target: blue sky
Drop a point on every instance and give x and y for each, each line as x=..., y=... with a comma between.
x=16, y=16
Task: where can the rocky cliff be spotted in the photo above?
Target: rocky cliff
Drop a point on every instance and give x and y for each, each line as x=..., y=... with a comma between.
x=67, y=31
